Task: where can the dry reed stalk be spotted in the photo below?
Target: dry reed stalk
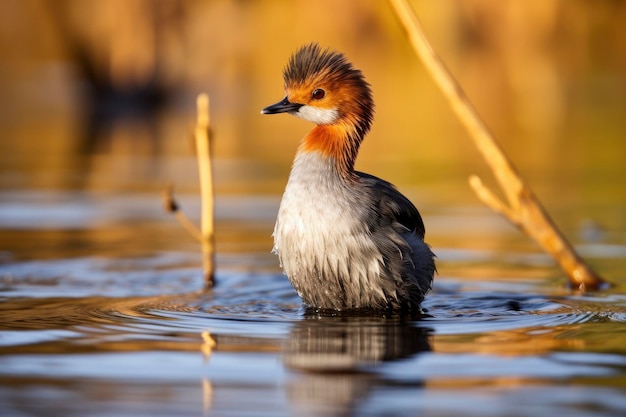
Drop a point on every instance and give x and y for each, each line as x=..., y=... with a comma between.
x=206, y=188
x=206, y=235
x=524, y=209
x=171, y=206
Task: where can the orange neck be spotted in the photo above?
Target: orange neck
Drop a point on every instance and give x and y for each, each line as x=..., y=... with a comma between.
x=336, y=142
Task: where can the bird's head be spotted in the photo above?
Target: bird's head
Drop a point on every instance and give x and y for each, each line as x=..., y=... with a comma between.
x=321, y=86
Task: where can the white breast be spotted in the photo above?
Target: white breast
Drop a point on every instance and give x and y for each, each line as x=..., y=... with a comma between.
x=319, y=231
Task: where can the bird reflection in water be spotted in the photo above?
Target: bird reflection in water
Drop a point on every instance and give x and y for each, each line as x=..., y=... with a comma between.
x=337, y=358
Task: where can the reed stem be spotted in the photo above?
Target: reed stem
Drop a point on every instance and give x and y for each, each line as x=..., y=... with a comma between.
x=206, y=189
x=524, y=208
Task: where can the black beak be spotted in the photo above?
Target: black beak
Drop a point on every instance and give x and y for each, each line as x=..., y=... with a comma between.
x=283, y=106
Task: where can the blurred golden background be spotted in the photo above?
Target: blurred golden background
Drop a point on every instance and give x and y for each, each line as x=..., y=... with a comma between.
x=100, y=95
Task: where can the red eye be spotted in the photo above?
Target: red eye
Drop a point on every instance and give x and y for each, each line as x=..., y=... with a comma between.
x=318, y=94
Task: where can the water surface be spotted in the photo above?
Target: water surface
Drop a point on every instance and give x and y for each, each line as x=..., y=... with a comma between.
x=95, y=326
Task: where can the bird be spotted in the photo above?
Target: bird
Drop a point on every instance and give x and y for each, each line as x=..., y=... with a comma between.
x=347, y=241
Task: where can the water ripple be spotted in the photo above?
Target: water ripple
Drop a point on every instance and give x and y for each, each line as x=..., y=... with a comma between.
x=98, y=301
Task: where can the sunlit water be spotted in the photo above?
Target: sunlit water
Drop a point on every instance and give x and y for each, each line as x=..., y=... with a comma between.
x=134, y=334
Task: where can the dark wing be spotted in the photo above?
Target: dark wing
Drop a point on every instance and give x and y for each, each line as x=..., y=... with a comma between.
x=391, y=204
